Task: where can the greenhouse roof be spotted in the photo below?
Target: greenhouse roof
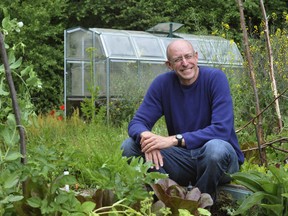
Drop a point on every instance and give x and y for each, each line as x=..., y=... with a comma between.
x=143, y=45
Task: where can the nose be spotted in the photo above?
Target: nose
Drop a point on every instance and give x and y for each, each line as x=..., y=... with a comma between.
x=184, y=61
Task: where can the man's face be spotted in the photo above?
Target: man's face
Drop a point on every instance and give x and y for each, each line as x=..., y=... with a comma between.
x=183, y=59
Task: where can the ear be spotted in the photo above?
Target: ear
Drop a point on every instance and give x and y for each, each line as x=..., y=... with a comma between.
x=196, y=55
x=169, y=65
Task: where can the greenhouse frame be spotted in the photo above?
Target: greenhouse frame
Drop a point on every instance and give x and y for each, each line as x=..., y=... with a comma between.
x=117, y=62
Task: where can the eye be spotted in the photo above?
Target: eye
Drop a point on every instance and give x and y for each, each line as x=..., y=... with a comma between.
x=178, y=60
x=188, y=56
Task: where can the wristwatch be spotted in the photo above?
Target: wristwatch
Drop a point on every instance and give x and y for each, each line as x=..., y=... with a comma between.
x=179, y=137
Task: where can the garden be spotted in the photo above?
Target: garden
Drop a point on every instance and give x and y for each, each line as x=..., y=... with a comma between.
x=54, y=164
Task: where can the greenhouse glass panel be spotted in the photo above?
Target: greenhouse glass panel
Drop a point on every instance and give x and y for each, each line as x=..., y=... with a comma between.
x=100, y=77
x=167, y=27
x=148, y=70
x=78, y=41
x=76, y=78
x=119, y=46
x=225, y=52
x=198, y=47
x=148, y=47
x=97, y=48
x=123, y=77
x=81, y=71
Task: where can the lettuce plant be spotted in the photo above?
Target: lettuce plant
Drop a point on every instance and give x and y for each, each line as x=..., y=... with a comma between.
x=177, y=197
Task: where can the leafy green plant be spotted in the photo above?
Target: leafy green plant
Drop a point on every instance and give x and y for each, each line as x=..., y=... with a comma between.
x=51, y=200
x=177, y=197
x=45, y=192
x=10, y=167
x=270, y=191
x=9, y=163
x=119, y=208
x=125, y=177
x=27, y=76
x=88, y=105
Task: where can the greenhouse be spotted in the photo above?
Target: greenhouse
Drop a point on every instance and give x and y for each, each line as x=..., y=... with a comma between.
x=121, y=61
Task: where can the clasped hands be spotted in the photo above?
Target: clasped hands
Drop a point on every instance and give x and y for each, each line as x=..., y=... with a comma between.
x=151, y=145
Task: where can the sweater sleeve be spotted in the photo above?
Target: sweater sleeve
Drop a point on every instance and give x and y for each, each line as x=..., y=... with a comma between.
x=222, y=117
x=148, y=113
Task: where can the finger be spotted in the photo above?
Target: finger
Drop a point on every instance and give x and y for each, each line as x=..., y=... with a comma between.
x=142, y=140
x=157, y=159
x=148, y=158
x=160, y=158
x=149, y=147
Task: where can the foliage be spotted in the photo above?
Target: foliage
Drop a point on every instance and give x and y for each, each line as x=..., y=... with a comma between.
x=42, y=34
x=279, y=43
x=241, y=88
x=118, y=208
x=146, y=210
x=141, y=15
x=10, y=169
x=26, y=75
x=114, y=173
x=45, y=194
x=88, y=105
x=96, y=166
x=176, y=197
x=269, y=190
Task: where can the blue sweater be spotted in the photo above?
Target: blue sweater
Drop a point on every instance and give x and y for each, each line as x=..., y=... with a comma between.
x=200, y=112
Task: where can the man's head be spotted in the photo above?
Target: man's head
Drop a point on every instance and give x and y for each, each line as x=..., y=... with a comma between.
x=182, y=58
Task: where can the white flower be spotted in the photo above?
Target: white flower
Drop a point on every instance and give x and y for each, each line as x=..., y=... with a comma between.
x=20, y=24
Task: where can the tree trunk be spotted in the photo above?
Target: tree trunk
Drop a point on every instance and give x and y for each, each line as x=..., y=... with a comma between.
x=271, y=65
x=258, y=124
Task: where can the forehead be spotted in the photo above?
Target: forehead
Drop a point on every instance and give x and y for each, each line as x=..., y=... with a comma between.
x=179, y=48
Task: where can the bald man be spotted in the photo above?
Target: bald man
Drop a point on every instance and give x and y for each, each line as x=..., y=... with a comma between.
x=202, y=146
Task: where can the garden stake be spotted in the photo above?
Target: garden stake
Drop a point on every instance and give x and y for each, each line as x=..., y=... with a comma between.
x=15, y=104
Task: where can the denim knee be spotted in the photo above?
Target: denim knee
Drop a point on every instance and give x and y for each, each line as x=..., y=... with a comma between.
x=218, y=150
x=130, y=148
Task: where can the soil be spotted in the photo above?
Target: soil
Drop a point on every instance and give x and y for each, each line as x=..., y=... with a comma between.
x=223, y=205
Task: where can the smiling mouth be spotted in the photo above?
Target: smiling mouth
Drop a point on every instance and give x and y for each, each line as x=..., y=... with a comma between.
x=186, y=69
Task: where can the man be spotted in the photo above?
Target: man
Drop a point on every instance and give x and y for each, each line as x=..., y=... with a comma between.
x=202, y=145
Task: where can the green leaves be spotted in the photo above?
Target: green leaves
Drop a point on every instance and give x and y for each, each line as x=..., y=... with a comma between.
x=11, y=179
x=64, y=202
x=34, y=202
x=114, y=172
x=12, y=156
x=269, y=190
x=9, y=25
x=249, y=180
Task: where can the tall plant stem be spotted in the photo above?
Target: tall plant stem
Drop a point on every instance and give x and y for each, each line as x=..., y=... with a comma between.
x=258, y=123
x=13, y=95
x=271, y=66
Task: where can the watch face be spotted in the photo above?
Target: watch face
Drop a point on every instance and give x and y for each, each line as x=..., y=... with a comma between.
x=179, y=136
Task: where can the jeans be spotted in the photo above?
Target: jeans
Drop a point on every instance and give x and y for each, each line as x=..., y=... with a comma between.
x=205, y=167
